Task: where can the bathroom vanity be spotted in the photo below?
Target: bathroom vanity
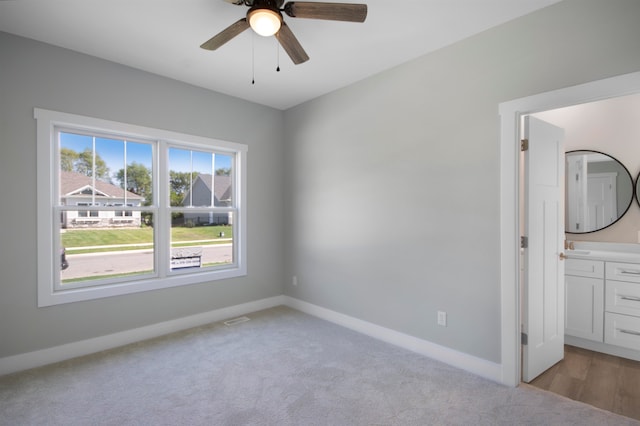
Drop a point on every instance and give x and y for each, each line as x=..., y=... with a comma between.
x=602, y=298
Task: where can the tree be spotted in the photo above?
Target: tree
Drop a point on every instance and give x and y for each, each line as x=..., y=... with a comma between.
x=179, y=184
x=84, y=165
x=68, y=157
x=138, y=180
x=223, y=172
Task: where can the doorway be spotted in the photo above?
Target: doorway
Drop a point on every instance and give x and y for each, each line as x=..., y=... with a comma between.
x=510, y=187
x=597, y=378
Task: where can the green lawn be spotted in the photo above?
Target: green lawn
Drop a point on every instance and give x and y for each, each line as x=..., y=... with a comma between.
x=105, y=237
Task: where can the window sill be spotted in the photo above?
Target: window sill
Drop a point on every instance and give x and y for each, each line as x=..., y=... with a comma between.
x=53, y=297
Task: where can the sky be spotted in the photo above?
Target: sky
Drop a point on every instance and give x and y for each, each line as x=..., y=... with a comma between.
x=112, y=151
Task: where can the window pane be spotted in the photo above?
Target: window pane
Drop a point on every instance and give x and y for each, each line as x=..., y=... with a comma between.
x=196, y=244
x=106, y=253
x=137, y=176
x=200, y=179
x=223, y=180
x=92, y=170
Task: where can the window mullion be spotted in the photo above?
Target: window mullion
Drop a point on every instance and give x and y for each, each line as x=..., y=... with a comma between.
x=162, y=231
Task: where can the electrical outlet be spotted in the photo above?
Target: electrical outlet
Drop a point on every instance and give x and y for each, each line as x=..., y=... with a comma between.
x=294, y=281
x=442, y=318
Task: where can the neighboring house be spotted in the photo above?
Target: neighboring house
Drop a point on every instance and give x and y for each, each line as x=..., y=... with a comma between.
x=78, y=190
x=201, y=195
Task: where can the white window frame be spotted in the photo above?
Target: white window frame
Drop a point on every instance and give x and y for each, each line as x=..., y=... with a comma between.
x=48, y=256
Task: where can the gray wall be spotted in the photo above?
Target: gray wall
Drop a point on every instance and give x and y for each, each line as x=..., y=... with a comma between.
x=32, y=75
x=391, y=201
x=393, y=182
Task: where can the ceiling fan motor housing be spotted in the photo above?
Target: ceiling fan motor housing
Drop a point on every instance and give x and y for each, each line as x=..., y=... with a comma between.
x=267, y=4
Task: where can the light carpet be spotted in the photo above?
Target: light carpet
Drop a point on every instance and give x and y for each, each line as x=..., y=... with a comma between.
x=282, y=367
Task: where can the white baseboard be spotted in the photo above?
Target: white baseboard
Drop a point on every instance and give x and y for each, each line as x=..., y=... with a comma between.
x=12, y=364
x=477, y=366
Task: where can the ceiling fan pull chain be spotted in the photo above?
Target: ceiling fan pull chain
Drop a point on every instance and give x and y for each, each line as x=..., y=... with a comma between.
x=278, y=54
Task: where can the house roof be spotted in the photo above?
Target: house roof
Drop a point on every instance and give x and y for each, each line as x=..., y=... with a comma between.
x=72, y=183
x=222, y=190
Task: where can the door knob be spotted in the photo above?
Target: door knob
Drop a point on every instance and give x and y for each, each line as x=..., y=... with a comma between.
x=563, y=256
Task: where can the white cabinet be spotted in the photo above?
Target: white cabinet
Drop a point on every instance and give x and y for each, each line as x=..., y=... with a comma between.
x=622, y=316
x=584, y=299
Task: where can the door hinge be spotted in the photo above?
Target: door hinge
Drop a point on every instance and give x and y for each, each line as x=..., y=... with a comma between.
x=524, y=339
x=524, y=144
x=524, y=242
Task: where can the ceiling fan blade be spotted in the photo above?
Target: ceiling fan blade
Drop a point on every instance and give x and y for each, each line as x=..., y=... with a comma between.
x=332, y=11
x=236, y=2
x=291, y=45
x=225, y=35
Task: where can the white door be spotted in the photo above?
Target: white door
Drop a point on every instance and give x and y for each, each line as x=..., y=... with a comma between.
x=601, y=200
x=543, y=307
x=575, y=208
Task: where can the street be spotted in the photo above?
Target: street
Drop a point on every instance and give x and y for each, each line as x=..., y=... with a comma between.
x=98, y=264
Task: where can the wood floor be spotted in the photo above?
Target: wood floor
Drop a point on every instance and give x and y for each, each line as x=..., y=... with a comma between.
x=598, y=379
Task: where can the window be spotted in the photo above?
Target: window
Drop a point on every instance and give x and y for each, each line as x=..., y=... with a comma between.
x=86, y=213
x=135, y=208
x=123, y=213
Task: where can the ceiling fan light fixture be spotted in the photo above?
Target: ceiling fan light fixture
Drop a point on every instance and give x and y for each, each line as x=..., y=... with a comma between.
x=265, y=22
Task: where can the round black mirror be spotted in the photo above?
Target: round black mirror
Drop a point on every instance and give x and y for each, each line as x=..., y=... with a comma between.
x=599, y=191
x=637, y=191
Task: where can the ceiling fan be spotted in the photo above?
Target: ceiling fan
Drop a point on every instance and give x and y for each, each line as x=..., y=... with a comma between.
x=265, y=18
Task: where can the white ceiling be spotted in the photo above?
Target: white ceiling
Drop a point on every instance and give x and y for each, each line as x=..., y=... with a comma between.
x=163, y=37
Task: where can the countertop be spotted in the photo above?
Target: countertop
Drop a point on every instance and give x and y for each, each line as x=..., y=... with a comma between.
x=608, y=252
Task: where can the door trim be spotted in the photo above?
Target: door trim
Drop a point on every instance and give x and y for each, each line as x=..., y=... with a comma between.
x=510, y=178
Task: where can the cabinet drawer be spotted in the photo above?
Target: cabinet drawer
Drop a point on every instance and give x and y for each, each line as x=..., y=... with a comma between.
x=622, y=330
x=584, y=268
x=622, y=297
x=623, y=272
